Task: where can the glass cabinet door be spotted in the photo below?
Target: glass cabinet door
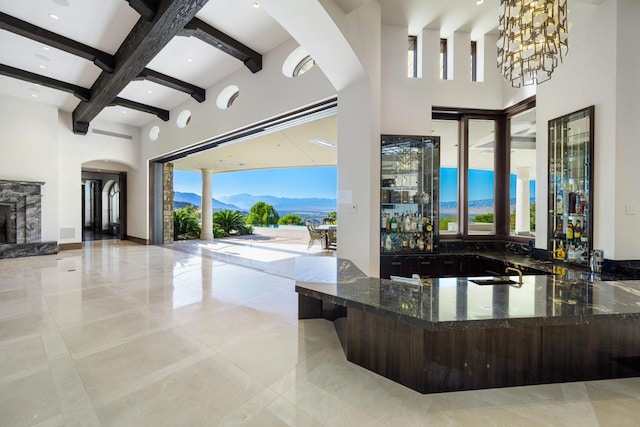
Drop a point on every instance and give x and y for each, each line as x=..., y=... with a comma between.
x=409, y=214
x=570, y=186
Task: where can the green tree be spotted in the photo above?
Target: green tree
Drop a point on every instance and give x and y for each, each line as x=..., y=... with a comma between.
x=290, y=219
x=263, y=214
x=333, y=215
x=488, y=217
x=444, y=222
x=231, y=222
x=186, y=223
x=532, y=216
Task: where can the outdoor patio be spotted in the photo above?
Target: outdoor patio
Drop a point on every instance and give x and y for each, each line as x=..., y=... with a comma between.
x=272, y=250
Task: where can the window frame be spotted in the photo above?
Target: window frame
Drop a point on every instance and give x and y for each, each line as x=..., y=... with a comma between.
x=502, y=167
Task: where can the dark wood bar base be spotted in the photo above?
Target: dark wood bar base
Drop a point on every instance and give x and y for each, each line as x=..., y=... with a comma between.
x=445, y=360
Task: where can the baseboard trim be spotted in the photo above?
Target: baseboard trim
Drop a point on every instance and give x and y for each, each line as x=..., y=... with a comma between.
x=69, y=246
x=137, y=240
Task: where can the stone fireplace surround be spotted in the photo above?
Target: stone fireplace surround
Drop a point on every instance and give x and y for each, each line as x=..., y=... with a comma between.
x=20, y=220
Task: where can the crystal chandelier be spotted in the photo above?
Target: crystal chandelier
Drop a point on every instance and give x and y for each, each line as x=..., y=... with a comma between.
x=533, y=37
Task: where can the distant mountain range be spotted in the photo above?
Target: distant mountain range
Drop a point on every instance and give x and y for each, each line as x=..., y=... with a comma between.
x=284, y=205
x=475, y=206
x=181, y=200
x=244, y=202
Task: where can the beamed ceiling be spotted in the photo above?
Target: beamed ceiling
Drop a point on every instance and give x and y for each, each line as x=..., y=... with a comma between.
x=127, y=61
x=134, y=61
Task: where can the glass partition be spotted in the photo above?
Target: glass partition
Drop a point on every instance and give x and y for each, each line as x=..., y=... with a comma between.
x=522, y=177
x=481, y=177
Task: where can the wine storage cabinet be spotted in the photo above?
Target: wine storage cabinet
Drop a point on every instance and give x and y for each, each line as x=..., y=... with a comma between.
x=409, y=210
x=571, y=186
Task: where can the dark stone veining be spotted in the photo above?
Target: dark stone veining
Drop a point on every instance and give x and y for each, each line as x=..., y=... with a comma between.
x=19, y=250
x=20, y=220
x=569, y=297
x=450, y=334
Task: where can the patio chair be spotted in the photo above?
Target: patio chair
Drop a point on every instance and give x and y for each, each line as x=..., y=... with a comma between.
x=318, y=236
x=332, y=239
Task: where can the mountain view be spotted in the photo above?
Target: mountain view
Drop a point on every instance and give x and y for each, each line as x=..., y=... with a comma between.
x=307, y=208
x=476, y=207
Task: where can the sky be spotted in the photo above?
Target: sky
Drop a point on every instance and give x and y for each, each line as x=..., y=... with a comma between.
x=320, y=182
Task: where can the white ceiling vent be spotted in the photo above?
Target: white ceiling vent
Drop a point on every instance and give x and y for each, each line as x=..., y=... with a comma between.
x=113, y=134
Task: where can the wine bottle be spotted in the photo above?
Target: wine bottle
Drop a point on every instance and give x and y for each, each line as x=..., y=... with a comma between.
x=577, y=230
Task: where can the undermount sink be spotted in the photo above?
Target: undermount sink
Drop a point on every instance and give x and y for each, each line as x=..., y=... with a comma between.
x=494, y=281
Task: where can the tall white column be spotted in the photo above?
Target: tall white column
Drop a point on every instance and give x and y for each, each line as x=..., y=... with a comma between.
x=523, y=223
x=206, y=233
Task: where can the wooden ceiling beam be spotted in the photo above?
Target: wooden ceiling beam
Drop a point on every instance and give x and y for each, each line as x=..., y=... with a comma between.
x=78, y=91
x=141, y=45
x=216, y=38
x=159, y=112
x=195, y=92
x=146, y=8
x=103, y=60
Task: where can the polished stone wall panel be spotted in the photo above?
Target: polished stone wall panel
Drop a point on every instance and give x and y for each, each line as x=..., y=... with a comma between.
x=24, y=200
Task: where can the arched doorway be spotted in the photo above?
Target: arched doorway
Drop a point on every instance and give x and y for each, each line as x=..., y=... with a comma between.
x=103, y=205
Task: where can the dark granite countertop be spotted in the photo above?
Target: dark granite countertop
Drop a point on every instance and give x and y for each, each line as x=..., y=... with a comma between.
x=570, y=297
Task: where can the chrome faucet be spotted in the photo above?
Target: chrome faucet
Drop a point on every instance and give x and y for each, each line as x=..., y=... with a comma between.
x=517, y=271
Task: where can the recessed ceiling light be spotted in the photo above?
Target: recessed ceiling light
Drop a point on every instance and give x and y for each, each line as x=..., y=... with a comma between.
x=479, y=1
x=47, y=48
x=64, y=3
x=34, y=95
x=42, y=66
x=256, y=4
x=149, y=91
x=323, y=142
x=53, y=16
x=43, y=58
x=124, y=111
x=190, y=60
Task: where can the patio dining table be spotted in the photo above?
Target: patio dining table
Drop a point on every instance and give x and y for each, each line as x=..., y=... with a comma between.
x=326, y=228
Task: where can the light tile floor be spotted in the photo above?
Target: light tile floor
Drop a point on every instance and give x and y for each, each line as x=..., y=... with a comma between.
x=119, y=334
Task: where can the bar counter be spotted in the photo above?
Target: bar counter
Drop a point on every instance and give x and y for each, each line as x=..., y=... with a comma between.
x=451, y=334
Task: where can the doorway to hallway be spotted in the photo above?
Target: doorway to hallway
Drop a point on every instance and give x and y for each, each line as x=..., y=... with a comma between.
x=103, y=205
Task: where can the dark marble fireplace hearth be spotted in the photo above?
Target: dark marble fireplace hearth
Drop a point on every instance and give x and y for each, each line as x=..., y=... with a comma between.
x=20, y=220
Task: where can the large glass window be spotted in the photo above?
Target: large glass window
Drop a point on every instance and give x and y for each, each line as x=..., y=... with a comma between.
x=522, y=177
x=448, y=132
x=443, y=59
x=412, y=57
x=474, y=61
x=481, y=177
x=487, y=171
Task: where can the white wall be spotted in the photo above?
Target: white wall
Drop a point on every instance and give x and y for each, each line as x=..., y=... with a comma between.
x=627, y=160
x=359, y=149
x=586, y=77
x=265, y=94
x=407, y=102
x=113, y=154
x=39, y=145
x=29, y=134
